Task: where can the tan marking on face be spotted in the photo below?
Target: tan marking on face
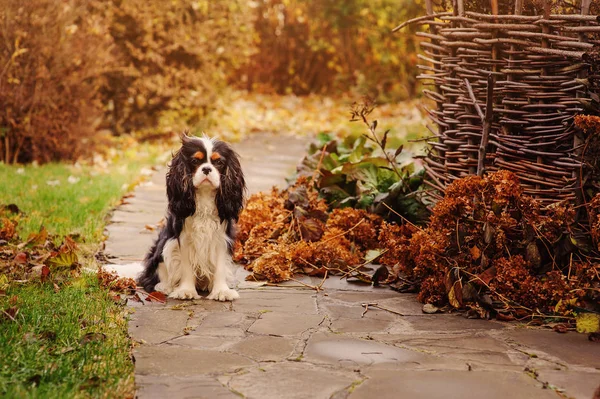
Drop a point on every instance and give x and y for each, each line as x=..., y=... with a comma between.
x=199, y=155
x=215, y=156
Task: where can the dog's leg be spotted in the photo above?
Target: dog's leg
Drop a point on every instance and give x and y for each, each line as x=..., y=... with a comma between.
x=220, y=291
x=163, y=276
x=181, y=278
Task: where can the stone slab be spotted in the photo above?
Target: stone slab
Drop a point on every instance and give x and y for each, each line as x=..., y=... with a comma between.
x=174, y=360
x=571, y=347
x=350, y=352
x=283, y=324
x=292, y=380
x=281, y=300
x=155, y=325
x=265, y=348
x=578, y=384
x=200, y=387
x=388, y=384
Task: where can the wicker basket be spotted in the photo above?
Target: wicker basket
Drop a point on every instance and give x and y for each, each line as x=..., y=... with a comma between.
x=507, y=89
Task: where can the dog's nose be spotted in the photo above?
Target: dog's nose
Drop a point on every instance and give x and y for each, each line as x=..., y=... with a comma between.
x=206, y=170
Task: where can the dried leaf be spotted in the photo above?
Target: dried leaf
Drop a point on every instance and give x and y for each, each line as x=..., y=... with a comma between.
x=475, y=253
x=488, y=233
x=38, y=238
x=311, y=229
x=455, y=295
x=505, y=316
x=384, y=139
x=20, y=258
x=45, y=273
x=63, y=260
x=532, y=255
x=398, y=151
x=8, y=230
x=156, y=296
x=380, y=275
x=485, y=277
x=92, y=337
x=428, y=308
x=561, y=328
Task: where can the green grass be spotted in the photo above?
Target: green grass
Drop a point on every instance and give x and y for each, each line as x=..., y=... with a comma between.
x=42, y=354
x=70, y=208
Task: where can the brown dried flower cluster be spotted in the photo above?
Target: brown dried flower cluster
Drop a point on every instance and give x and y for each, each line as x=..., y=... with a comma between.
x=285, y=232
x=487, y=246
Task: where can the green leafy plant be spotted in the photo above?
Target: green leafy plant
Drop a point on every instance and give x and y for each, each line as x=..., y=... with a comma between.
x=361, y=171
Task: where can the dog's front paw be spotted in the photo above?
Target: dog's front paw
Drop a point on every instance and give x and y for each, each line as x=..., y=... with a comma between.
x=184, y=293
x=223, y=294
x=164, y=288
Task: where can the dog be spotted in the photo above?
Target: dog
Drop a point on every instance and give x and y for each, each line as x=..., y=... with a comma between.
x=205, y=191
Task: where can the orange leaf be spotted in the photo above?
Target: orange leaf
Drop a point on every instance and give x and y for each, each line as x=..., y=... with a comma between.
x=156, y=296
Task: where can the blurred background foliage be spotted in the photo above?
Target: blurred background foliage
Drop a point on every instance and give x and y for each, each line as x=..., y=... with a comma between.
x=73, y=73
x=325, y=46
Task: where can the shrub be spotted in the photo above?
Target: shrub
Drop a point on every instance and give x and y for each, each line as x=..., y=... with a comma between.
x=52, y=58
x=326, y=45
x=175, y=57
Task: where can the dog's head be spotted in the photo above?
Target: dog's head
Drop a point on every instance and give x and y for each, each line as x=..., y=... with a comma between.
x=205, y=165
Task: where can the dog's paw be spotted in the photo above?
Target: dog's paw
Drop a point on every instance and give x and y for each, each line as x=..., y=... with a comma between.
x=223, y=294
x=164, y=288
x=184, y=293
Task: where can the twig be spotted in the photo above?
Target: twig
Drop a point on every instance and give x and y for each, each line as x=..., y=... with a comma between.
x=312, y=179
x=487, y=125
x=387, y=309
x=8, y=314
x=366, y=306
x=314, y=287
x=343, y=233
x=400, y=216
x=352, y=270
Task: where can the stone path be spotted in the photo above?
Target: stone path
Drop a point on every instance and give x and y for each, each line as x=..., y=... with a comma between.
x=296, y=343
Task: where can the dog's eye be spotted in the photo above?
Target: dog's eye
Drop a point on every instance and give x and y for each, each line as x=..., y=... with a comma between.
x=195, y=161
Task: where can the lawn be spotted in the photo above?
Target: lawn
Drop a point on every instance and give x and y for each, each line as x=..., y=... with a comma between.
x=67, y=339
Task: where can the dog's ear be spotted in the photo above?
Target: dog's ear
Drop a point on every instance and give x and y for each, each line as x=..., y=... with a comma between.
x=180, y=187
x=230, y=196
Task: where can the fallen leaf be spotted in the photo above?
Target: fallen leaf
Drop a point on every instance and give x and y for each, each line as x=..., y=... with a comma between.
x=92, y=337
x=45, y=273
x=38, y=238
x=587, y=323
x=10, y=313
x=64, y=350
x=8, y=230
x=20, y=258
x=12, y=208
x=311, y=229
x=63, y=260
x=561, y=328
x=380, y=275
x=475, y=252
x=430, y=309
x=156, y=296
x=455, y=295
x=485, y=277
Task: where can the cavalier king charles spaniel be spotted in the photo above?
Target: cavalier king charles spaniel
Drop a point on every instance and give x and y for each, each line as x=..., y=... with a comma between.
x=205, y=189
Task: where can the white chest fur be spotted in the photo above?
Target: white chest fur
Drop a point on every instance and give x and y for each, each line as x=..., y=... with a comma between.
x=203, y=238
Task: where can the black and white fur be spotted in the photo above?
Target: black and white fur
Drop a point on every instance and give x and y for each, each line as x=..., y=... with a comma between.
x=205, y=189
